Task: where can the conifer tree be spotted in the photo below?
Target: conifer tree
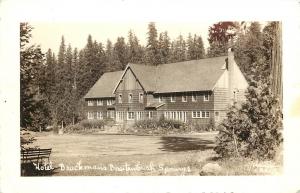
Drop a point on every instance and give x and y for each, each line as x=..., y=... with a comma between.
x=164, y=48
x=135, y=52
x=120, y=53
x=152, y=50
x=199, y=48
x=191, y=50
x=32, y=106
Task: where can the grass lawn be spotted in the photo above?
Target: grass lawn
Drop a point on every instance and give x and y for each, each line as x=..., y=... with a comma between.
x=98, y=155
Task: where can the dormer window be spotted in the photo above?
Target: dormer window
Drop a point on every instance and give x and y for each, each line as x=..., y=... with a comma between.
x=206, y=97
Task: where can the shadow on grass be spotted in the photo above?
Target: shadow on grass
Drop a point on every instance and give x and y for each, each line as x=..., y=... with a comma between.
x=175, y=144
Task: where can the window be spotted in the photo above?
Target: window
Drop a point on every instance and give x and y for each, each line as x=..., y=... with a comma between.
x=176, y=115
x=120, y=98
x=99, y=115
x=139, y=115
x=90, y=103
x=141, y=98
x=194, y=98
x=110, y=114
x=99, y=102
x=120, y=115
x=130, y=98
x=184, y=98
x=194, y=115
x=200, y=114
x=150, y=114
x=206, y=97
x=90, y=115
x=207, y=115
x=172, y=98
x=160, y=99
x=109, y=102
x=130, y=116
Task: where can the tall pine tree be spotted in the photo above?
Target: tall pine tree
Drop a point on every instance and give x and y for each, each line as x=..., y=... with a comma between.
x=152, y=56
x=32, y=106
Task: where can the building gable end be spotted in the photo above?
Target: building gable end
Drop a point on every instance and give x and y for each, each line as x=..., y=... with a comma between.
x=126, y=71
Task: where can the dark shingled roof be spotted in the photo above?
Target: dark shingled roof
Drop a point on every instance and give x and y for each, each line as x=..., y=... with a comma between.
x=146, y=75
x=194, y=75
x=105, y=85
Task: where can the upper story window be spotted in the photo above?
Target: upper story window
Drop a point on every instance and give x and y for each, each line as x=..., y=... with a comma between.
x=90, y=103
x=120, y=98
x=99, y=102
x=141, y=97
x=160, y=99
x=206, y=97
x=184, y=98
x=173, y=98
x=109, y=102
x=194, y=98
x=130, y=97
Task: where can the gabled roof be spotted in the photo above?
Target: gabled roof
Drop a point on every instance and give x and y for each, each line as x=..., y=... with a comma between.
x=105, y=85
x=146, y=75
x=194, y=75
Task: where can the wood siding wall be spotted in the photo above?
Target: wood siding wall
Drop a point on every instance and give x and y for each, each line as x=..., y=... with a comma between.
x=130, y=85
x=134, y=105
x=221, y=99
x=95, y=108
x=179, y=105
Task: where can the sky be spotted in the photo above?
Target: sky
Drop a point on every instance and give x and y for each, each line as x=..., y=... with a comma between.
x=48, y=35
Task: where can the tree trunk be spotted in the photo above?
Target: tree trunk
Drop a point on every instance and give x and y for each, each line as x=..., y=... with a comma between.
x=276, y=65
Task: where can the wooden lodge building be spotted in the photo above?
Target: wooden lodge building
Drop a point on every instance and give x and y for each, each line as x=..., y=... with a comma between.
x=198, y=90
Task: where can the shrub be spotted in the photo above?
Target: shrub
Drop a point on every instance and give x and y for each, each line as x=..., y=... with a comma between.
x=77, y=128
x=26, y=138
x=198, y=127
x=92, y=124
x=254, y=128
x=161, y=126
